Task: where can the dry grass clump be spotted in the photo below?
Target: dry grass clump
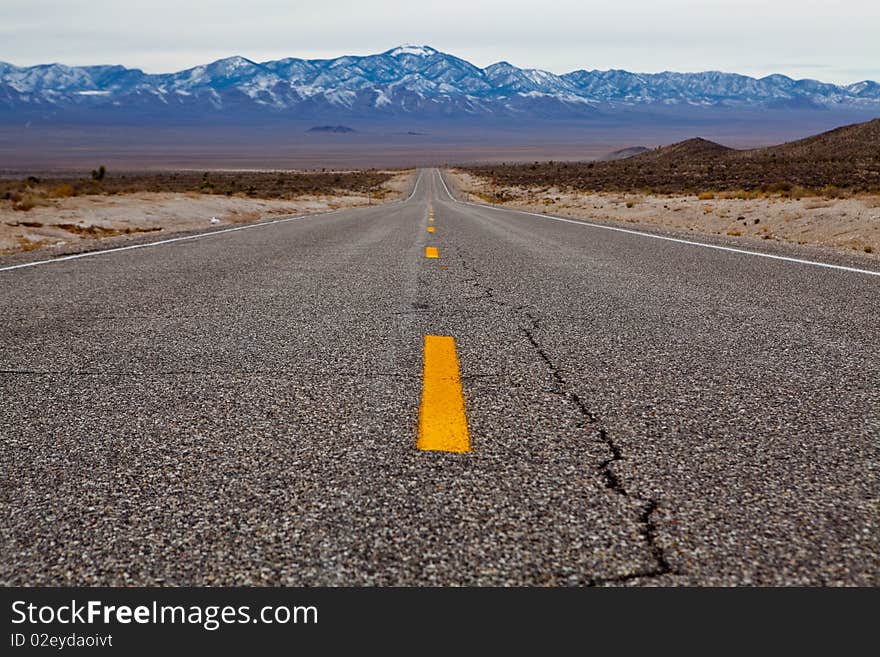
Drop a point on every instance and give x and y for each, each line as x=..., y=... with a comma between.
x=65, y=190
x=101, y=231
x=25, y=244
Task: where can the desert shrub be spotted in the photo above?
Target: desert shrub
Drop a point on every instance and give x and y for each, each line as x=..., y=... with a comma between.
x=99, y=173
x=778, y=188
x=62, y=191
x=25, y=204
x=833, y=191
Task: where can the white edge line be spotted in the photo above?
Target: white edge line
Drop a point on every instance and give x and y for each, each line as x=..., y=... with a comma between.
x=415, y=187
x=628, y=231
x=88, y=254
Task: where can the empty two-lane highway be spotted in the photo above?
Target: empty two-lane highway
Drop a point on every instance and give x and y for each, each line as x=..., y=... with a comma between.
x=354, y=398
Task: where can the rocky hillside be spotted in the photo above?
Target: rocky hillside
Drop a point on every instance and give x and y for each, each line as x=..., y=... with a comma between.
x=846, y=158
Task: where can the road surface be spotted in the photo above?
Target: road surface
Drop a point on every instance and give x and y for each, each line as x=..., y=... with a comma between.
x=244, y=408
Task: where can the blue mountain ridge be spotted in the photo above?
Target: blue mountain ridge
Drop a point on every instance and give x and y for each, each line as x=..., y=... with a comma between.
x=416, y=81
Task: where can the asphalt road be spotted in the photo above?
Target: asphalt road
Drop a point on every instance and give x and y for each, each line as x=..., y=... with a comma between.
x=242, y=408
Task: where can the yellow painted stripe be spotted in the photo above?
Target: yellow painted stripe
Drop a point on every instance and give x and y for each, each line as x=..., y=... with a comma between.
x=442, y=420
x=430, y=229
x=430, y=218
x=431, y=252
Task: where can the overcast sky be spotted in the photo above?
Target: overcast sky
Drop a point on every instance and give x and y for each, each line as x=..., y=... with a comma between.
x=831, y=41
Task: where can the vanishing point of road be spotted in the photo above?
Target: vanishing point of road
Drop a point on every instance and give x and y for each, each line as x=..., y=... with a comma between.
x=353, y=398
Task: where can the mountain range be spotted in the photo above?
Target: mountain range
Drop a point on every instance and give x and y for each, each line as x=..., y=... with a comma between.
x=411, y=81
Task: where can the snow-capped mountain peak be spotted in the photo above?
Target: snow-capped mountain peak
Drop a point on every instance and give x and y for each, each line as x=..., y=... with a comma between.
x=414, y=50
x=411, y=80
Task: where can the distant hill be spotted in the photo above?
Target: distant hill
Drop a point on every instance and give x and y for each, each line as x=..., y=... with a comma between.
x=624, y=153
x=335, y=129
x=690, y=149
x=847, y=157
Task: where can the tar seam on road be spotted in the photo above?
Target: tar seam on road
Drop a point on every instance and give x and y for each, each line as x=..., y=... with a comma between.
x=88, y=254
x=638, y=233
x=442, y=420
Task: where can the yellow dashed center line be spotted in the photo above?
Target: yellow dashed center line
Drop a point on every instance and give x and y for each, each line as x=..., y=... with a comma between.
x=431, y=252
x=442, y=420
x=431, y=229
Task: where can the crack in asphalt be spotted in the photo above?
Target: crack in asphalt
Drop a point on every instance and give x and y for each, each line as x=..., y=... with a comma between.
x=651, y=537
x=605, y=468
x=476, y=280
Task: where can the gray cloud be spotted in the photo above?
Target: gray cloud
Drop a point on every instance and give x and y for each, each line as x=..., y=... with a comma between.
x=831, y=41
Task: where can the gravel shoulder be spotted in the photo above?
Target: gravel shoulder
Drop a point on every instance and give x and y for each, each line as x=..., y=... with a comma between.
x=78, y=223
x=845, y=225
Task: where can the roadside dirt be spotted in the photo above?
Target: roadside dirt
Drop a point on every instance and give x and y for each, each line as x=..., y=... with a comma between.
x=72, y=221
x=847, y=224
